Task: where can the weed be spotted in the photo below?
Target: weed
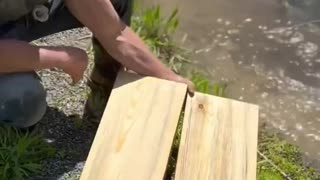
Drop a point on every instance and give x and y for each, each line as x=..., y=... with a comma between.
x=284, y=155
x=21, y=154
x=157, y=32
x=203, y=85
x=151, y=25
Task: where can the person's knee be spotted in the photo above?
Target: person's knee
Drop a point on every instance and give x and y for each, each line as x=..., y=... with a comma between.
x=22, y=100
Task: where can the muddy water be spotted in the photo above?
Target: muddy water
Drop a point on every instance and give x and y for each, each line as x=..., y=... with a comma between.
x=266, y=54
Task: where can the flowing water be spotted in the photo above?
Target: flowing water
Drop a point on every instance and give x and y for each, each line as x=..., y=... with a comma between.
x=266, y=53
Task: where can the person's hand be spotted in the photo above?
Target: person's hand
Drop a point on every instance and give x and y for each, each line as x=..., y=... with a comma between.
x=190, y=84
x=74, y=63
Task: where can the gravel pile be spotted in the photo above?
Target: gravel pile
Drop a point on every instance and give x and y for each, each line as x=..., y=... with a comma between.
x=63, y=125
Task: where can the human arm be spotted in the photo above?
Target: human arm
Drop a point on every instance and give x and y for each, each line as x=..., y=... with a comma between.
x=19, y=56
x=119, y=40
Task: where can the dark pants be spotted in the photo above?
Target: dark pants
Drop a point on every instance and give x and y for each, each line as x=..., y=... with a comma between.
x=22, y=97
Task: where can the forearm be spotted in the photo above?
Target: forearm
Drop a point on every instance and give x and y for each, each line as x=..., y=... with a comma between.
x=118, y=39
x=17, y=56
x=132, y=52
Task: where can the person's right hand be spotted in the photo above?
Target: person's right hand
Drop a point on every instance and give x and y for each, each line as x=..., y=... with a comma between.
x=74, y=63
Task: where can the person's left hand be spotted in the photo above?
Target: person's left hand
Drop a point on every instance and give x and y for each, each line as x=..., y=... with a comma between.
x=190, y=84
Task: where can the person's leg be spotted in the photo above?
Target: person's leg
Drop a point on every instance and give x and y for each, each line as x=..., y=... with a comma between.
x=22, y=96
x=22, y=99
x=105, y=68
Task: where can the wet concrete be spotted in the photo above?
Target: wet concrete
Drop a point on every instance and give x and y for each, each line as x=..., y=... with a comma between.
x=266, y=53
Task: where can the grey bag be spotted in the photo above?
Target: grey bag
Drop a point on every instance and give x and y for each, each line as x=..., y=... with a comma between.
x=11, y=10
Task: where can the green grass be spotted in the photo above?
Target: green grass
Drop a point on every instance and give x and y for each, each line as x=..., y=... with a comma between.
x=203, y=85
x=21, y=154
x=157, y=31
x=285, y=156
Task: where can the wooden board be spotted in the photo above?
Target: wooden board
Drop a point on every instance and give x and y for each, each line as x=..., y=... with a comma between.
x=134, y=138
x=219, y=140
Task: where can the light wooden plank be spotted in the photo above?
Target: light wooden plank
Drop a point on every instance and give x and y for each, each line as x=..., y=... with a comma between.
x=219, y=140
x=134, y=138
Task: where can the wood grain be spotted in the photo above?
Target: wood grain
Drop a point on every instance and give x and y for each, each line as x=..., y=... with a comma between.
x=134, y=138
x=219, y=140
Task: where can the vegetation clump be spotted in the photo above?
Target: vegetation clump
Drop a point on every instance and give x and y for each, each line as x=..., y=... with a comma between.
x=21, y=154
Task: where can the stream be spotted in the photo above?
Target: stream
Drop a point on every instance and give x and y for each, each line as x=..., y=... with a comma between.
x=267, y=52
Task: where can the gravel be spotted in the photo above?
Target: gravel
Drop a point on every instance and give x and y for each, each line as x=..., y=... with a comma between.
x=63, y=126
